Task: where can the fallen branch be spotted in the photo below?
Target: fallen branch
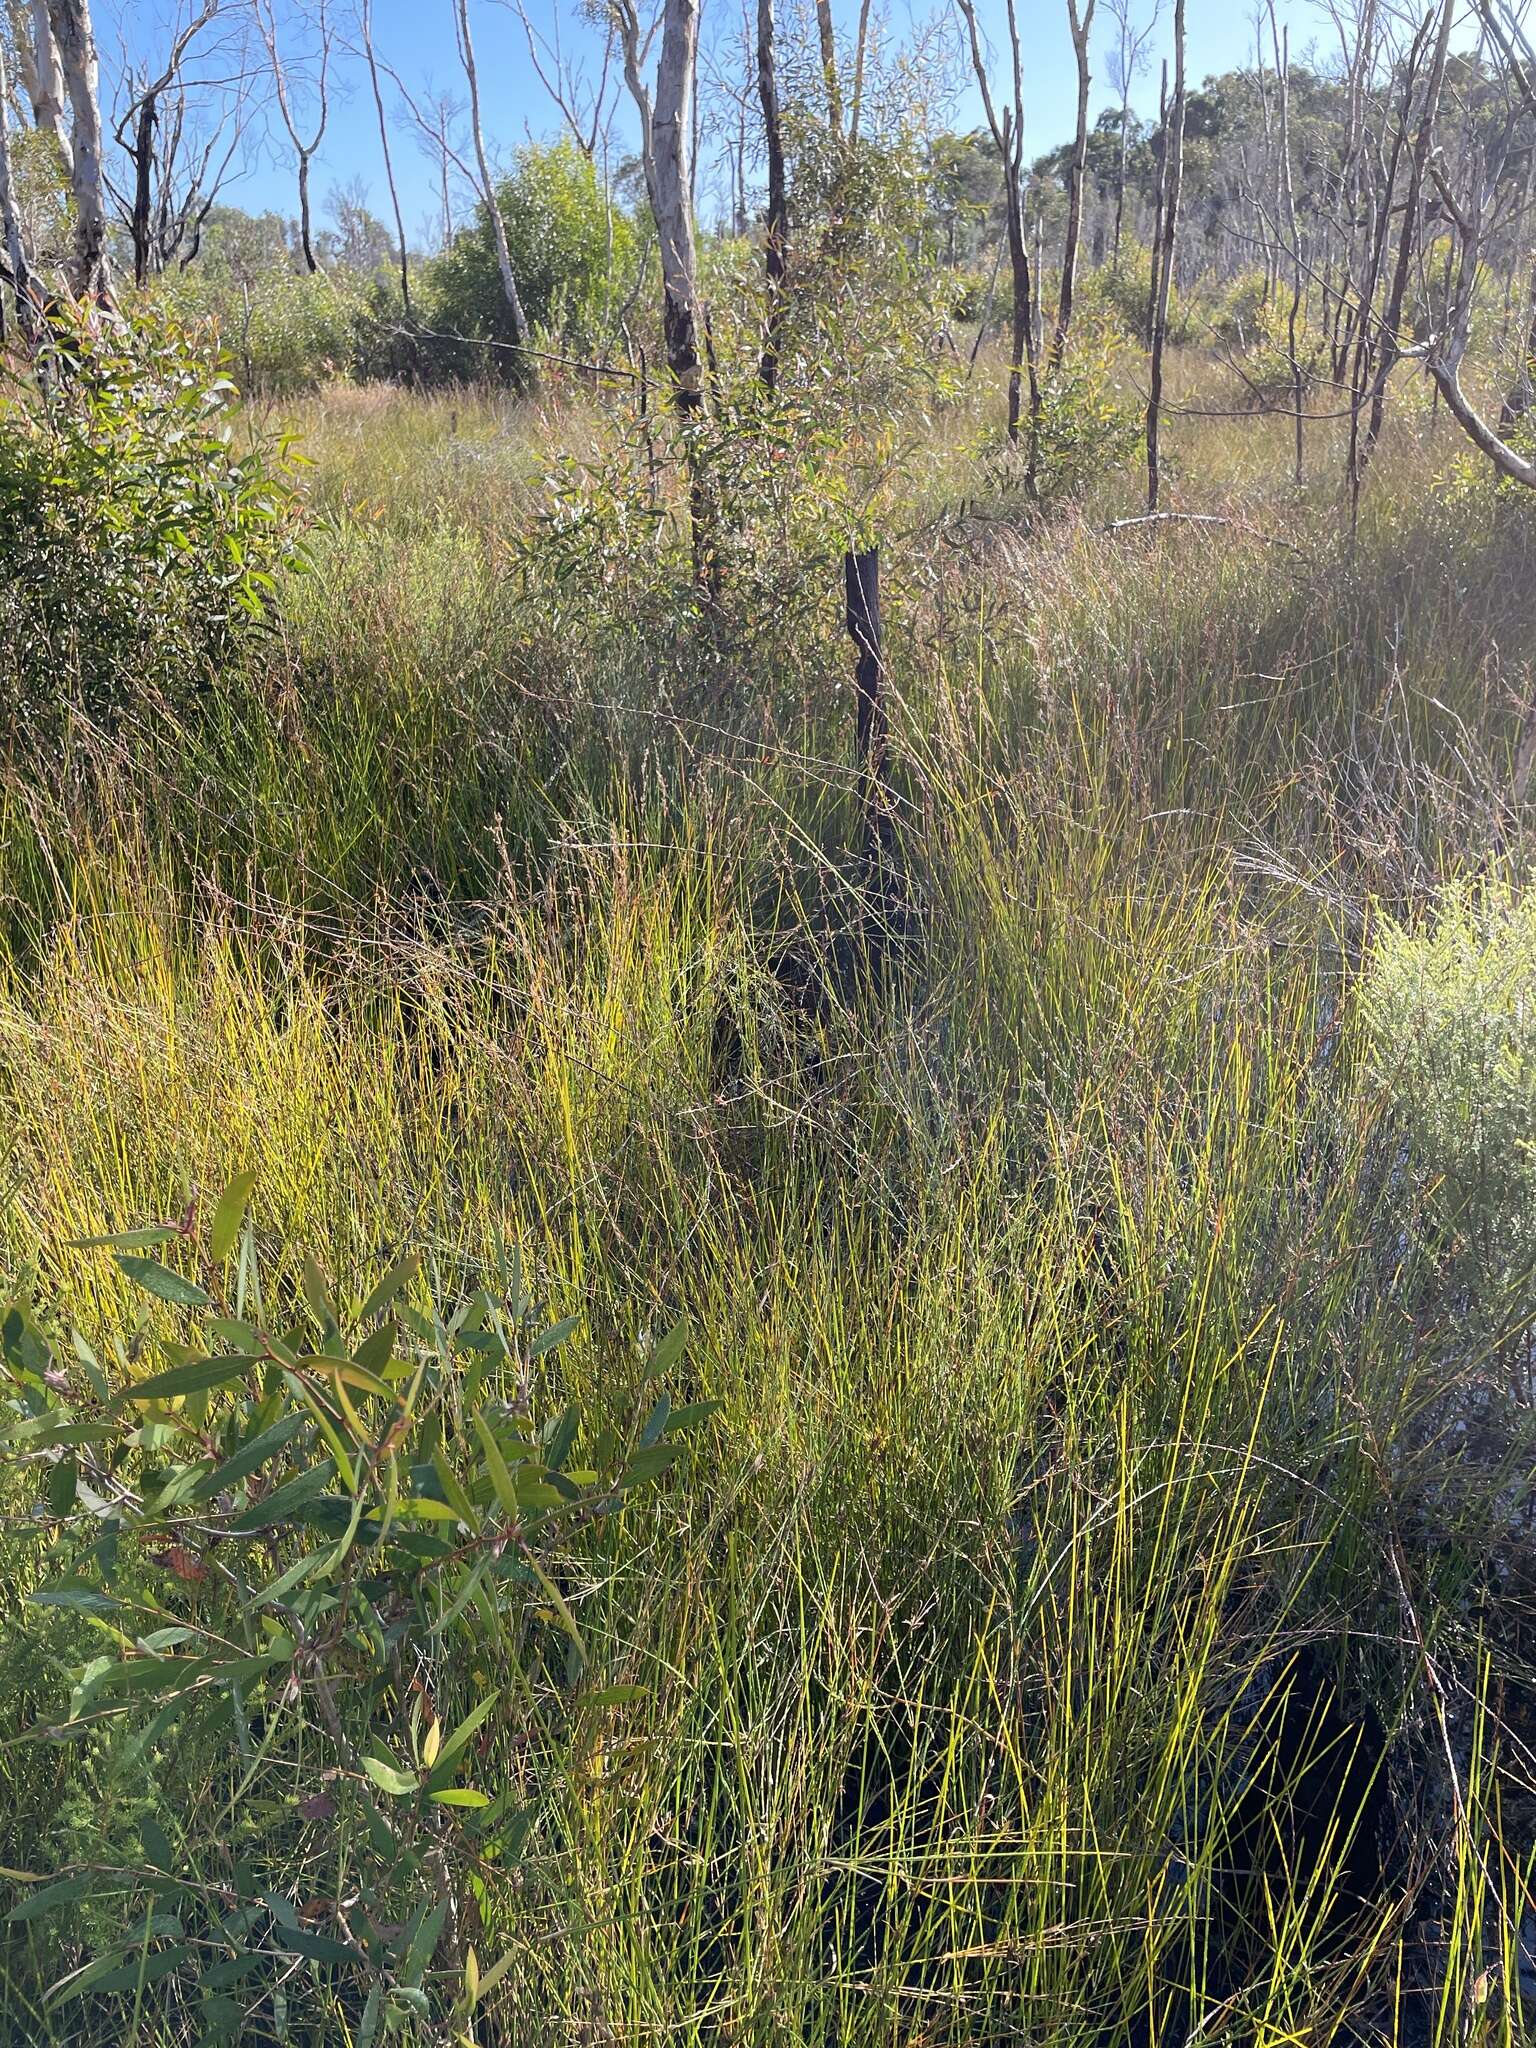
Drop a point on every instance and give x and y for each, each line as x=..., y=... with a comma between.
x=1274, y=540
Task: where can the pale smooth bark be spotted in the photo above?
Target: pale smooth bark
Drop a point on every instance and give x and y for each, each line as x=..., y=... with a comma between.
x=1080, y=21
x=666, y=130
x=1169, y=184
x=75, y=38
x=517, y=319
x=44, y=84
x=366, y=27
x=10, y=222
x=304, y=145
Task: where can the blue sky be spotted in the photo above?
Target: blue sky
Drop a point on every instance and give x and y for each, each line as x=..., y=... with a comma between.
x=416, y=38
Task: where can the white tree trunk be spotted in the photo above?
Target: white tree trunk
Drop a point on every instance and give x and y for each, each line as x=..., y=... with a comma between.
x=509, y=291
x=671, y=186
x=44, y=86
x=10, y=224
x=76, y=39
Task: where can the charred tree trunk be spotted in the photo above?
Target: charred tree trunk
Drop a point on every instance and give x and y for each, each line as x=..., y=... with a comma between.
x=776, y=225
x=143, y=153
x=1007, y=126
x=1390, y=351
x=670, y=198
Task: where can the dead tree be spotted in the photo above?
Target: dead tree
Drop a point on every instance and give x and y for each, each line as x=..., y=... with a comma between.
x=88, y=271
x=776, y=219
x=1389, y=350
x=582, y=107
x=305, y=143
x=517, y=319
x=1170, y=178
x=136, y=127
x=1290, y=224
x=1081, y=22
x=1127, y=59
x=1445, y=351
x=1007, y=126
x=365, y=28
x=1474, y=214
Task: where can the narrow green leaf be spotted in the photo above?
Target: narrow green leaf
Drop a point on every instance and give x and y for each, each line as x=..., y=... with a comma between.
x=250, y=1457
x=229, y=1215
x=163, y=1283
x=448, y=1756
x=496, y=1466
x=61, y=1893
x=669, y=1350
x=63, y=1486
x=398, y=1784
x=202, y=1373
x=553, y=1337
x=396, y=1278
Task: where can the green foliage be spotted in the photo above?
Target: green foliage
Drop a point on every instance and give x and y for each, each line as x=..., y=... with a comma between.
x=1115, y=300
x=609, y=564
x=139, y=547
x=279, y=1540
x=1451, y=1008
x=574, y=254
x=283, y=330
x=1090, y=421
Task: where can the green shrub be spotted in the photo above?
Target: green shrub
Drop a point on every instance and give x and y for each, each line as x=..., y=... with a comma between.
x=1090, y=421
x=1450, y=1008
x=1114, y=301
x=283, y=330
x=323, y=1550
x=138, y=547
x=574, y=253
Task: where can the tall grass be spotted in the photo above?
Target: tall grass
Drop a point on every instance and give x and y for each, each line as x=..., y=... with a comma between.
x=1078, y=1316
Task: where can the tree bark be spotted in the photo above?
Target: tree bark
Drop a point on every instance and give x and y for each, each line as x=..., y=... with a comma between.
x=10, y=221
x=776, y=224
x=509, y=291
x=666, y=130
x=1082, y=27
x=1169, y=183
x=44, y=86
x=1007, y=126
x=304, y=151
x=389, y=163
x=88, y=271
x=830, y=80
x=1288, y=216
x=668, y=174
x=143, y=153
x=1390, y=351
